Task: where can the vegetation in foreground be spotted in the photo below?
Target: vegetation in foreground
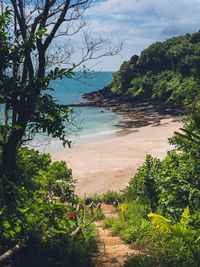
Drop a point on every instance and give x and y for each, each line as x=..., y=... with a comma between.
x=159, y=210
x=38, y=221
x=162, y=242
x=37, y=196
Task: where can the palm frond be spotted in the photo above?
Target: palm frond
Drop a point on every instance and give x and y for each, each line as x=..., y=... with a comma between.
x=159, y=221
x=179, y=230
x=185, y=216
x=198, y=238
x=191, y=136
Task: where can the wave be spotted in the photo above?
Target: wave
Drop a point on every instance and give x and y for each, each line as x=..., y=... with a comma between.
x=55, y=146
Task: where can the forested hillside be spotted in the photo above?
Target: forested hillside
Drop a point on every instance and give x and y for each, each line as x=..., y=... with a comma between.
x=164, y=71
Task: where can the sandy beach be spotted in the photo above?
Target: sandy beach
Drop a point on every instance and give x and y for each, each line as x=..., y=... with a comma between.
x=109, y=163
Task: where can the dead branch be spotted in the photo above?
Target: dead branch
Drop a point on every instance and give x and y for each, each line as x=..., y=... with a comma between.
x=79, y=229
x=79, y=206
x=89, y=223
x=76, y=232
x=98, y=207
x=10, y=253
x=91, y=207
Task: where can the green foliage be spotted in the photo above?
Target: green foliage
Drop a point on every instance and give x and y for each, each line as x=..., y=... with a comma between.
x=170, y=184
x=131, y=224
x=57, y=179
x=142, y=260
x=175, y=180
x=29, y=162
x=108, y=222
x=142, y=187
x=94, y=197
x=110, y=196
x=179, y=183
x=182, y=230
x=38, y=219
x=163, y=71
x=167, y=244
x=61, y=251
x=26, y=107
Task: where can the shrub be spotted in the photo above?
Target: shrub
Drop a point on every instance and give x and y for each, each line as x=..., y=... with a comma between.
x=142, y=261
x=142, y=187
x=38, y=219
x=110, y=196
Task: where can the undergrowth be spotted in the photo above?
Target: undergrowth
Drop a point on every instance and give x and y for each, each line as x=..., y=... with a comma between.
x=158, y=247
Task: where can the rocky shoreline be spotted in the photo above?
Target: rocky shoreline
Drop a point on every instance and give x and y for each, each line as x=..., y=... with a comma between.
x=136, y=114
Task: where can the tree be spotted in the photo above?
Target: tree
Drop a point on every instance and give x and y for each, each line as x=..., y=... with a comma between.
x=29, y=50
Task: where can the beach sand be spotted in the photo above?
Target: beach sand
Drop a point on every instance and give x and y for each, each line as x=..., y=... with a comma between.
x=109, y=164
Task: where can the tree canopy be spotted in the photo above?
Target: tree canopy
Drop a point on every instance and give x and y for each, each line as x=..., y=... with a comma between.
x=164, y=71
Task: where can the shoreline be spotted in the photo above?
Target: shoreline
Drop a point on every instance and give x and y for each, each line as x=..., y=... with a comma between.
x=136, y=113
x=110, y=163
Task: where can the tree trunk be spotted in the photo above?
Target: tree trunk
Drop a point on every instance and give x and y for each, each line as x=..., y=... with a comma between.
x=9, y=159
x=8, y=169
x=9, y=151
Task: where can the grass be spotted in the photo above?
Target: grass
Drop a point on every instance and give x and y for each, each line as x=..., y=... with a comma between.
x=164, y=248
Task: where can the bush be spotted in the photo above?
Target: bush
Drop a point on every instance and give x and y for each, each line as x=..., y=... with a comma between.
x=38, y=219
x=143, y=187
x=142, y=261
x=110, y=196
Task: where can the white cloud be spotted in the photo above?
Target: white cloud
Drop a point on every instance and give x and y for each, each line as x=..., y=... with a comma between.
x=141, y=22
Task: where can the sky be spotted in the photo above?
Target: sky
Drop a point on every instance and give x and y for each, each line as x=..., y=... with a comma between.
x=139, y=23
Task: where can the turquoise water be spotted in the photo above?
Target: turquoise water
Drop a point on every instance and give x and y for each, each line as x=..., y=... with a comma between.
x=69, y=91
x=86, y=121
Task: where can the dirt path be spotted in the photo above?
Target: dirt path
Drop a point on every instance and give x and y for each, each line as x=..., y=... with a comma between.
x=112, y=250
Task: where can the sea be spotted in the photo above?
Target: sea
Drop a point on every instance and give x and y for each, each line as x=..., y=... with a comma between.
x=86, y=124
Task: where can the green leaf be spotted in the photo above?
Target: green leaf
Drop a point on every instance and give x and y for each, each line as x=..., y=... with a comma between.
x=23, y=210
x=51, y=230
x=6, y=235
x=17, y=127
x=12, y=233
x=186, y=213
x=59, y=231
x=159, y=221
x=6, y=224
x=179, y=230
x=17, y=229
x=198, y=238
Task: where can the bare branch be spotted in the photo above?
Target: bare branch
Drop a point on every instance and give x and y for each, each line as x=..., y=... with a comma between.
x=79, y=228
x=10, y=253
x=80, y=3
x=57, y=25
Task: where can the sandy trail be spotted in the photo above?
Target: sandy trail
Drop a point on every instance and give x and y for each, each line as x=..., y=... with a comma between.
x=112, y=250
x=108, y=164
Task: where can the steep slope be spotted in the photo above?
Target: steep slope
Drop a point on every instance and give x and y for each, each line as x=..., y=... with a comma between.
x=166, y=71
x=112, y=250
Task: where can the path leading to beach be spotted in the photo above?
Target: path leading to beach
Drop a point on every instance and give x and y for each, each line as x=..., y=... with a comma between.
x=112, y=250
x=110, y=163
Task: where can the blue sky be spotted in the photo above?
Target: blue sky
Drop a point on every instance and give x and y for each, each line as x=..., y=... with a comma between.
x=140, y=23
